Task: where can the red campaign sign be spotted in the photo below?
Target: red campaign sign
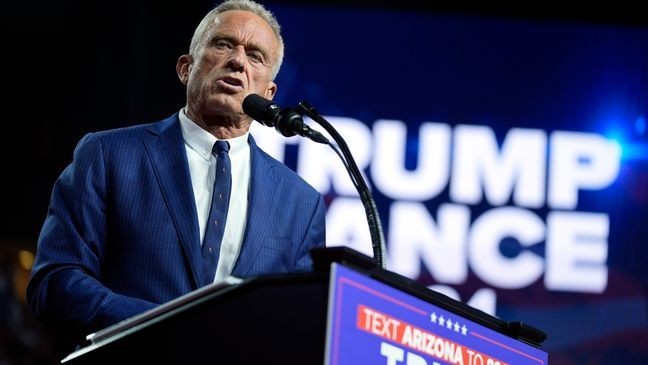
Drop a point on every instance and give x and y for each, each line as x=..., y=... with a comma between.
x=406, y=334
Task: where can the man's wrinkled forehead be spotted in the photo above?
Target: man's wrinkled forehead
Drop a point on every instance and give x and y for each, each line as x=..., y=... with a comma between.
x=245, y=26
x=240, y=20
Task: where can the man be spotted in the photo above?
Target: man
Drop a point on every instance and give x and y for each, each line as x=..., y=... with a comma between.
x=127, y=217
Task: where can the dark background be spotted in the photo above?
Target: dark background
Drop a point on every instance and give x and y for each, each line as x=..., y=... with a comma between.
x=71, y=67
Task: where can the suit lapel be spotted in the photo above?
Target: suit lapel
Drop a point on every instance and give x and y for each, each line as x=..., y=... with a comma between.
x=168, y=157
x=262, y=200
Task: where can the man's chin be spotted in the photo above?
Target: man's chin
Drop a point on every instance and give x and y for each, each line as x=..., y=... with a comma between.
x=225, y=104
x=226, y=99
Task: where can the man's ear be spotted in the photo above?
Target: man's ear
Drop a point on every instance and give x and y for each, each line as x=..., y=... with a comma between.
x=183, y=67
x=270, y=91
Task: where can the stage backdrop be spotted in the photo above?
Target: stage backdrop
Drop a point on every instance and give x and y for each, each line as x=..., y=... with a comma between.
x=508, y=158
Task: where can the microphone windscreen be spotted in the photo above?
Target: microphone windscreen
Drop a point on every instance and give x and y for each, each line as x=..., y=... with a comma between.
x=261, y=109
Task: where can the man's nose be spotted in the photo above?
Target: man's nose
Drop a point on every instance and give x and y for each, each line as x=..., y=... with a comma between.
x=236, y=60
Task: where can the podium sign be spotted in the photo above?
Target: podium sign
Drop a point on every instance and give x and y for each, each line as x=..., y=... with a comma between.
x=370, y=322
x=346, y=311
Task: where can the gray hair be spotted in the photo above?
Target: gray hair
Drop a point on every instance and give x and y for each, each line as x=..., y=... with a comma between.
x=245, y=5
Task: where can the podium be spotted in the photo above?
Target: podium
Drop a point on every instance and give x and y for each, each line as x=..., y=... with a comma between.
x=347, y=311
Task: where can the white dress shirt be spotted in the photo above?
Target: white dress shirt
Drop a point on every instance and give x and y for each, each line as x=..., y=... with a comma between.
x=202, y=168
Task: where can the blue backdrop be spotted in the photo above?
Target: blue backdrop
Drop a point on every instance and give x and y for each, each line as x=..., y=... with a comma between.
x=549, y=226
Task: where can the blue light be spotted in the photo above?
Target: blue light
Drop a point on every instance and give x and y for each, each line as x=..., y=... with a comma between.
x=631, y=148
x=640, y=125
x=634, y=151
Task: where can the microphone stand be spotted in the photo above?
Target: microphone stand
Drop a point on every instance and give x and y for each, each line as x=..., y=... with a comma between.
x=375, y=227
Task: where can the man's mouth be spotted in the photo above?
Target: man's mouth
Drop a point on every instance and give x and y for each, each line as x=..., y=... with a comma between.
x=231, y=81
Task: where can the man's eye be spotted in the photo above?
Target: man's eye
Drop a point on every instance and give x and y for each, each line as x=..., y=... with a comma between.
x=223, y=44
x=255, y=56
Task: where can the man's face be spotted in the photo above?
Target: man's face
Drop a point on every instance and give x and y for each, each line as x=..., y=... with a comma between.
x=233, y=59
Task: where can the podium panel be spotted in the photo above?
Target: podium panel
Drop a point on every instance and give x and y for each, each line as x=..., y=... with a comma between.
x=266, y=320
x=370, y=322
x=348, y=311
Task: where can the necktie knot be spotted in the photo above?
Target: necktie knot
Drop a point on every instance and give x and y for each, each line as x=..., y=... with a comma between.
x=220, y=146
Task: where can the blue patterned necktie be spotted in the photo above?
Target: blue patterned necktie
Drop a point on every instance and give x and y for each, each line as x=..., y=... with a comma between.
x=218, y=211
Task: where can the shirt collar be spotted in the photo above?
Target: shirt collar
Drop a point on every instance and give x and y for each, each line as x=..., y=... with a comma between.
x=202, y=141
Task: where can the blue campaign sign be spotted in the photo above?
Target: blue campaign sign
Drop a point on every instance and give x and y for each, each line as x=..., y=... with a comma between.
x=370, y=322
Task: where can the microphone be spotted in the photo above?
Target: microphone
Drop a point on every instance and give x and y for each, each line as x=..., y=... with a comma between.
x=287, y=121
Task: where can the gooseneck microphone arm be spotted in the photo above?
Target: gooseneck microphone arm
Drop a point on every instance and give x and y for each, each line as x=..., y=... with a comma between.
x=373, y=218
x=289, y=122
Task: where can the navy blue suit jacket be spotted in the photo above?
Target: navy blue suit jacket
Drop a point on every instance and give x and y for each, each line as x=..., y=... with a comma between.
x=121, y=233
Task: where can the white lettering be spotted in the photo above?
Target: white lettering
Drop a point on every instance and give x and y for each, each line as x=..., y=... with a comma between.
x=577, y=251
x=520, y=166
x=431, y=174
x=580, y=161
x=414, y=359
x=393, y=354
x=444, y=243
x=485, y=256
x=442, y=247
